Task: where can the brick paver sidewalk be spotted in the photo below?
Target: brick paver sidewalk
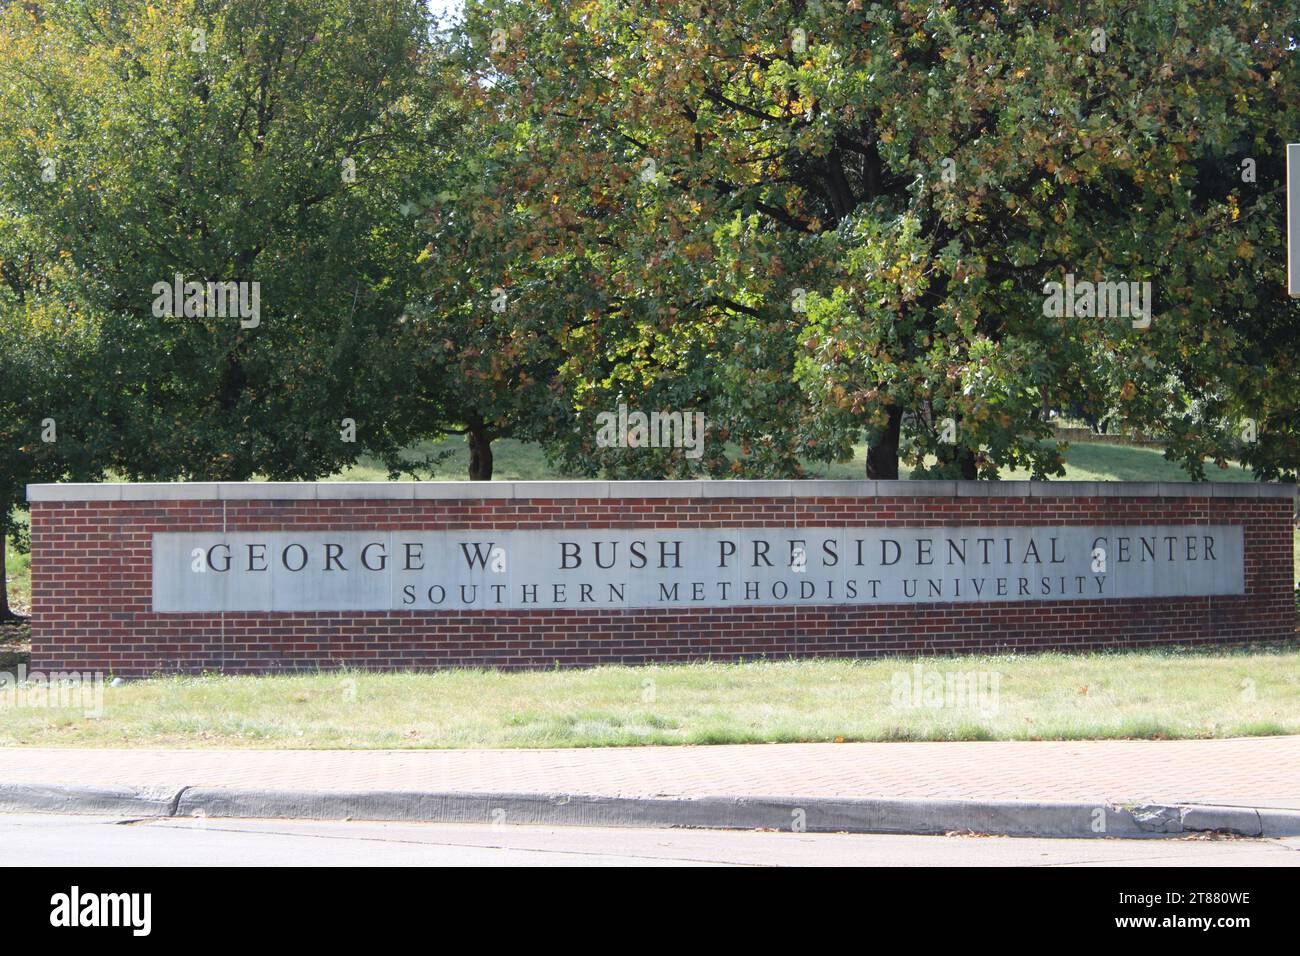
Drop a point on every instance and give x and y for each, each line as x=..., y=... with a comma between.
x=1259, y=771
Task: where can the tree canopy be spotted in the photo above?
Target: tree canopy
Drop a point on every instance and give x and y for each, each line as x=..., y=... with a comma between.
x=183, y=141
x=812, y=222
x=819, y=220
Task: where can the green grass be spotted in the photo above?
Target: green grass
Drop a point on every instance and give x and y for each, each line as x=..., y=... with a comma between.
x=512, y=460
x=524, y=461
x=1093, y=461
x=18, y=574
x=1165, y=694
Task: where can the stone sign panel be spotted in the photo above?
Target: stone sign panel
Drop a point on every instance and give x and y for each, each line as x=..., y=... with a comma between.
x=687, y=567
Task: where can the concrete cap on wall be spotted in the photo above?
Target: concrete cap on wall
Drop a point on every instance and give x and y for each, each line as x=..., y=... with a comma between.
x=579, y=490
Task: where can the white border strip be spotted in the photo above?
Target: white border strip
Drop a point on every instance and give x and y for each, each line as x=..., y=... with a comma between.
x=577, y=490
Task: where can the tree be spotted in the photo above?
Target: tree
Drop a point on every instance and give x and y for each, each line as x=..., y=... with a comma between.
x=479, y=344
x=234, y=142
x=50, y=422
x=813, y=219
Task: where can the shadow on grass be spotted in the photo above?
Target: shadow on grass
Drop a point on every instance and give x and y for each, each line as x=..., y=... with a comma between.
x=1131, y=463
x=15, y=644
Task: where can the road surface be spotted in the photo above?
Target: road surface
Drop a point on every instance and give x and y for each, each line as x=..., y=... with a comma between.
x=56, y=840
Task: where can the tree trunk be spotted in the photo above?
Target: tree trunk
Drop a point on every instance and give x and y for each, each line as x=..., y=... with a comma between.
x=882, y=454
x=5, y=613
x=969, y=468
x=480, y=454
x=963, y=458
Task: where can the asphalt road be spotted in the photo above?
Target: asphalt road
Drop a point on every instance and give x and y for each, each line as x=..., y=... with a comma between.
x=56, y=840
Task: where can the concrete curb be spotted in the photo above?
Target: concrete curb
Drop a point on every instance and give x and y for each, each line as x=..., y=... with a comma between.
x=812, y=815
x=113, y=801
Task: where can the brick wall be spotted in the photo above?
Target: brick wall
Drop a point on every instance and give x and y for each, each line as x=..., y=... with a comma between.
x=92, y=575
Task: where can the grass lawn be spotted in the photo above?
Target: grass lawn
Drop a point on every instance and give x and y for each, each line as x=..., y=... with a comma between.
x=18, y=579
x=512, y=460
x=1084, y=461
x=523, y=461
x=1170, y=693
x=18, y=574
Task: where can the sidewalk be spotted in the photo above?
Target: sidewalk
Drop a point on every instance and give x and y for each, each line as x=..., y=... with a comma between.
x=1249, y=771
x=1260, y=772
